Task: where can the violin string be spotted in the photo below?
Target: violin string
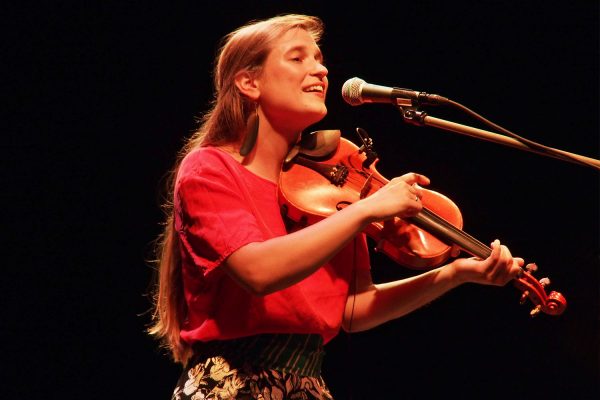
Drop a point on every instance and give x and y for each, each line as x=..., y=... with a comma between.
x=464, y=235
x=459, y=232
x=485, y=250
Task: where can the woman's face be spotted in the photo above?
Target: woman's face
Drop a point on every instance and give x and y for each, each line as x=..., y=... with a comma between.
x=293, y=82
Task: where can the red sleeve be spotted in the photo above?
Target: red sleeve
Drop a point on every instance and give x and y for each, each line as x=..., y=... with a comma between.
x=212, y=217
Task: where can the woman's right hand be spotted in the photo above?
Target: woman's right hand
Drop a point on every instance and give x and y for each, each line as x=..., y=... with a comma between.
x=400, y=197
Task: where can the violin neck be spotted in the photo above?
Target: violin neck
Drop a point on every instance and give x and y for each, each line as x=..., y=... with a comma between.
x=449, y=234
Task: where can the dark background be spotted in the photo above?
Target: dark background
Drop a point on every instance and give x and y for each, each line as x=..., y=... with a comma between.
x=100, y=96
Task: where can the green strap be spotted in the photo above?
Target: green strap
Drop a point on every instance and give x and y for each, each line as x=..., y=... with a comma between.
x=293, y=353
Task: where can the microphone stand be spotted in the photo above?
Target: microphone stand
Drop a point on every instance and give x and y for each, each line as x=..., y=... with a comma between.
x=420, y=118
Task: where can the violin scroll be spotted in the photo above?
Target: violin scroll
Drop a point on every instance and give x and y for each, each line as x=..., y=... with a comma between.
x=534, y=290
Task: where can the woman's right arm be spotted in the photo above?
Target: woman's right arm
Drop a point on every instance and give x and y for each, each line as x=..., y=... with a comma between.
x=277, y=263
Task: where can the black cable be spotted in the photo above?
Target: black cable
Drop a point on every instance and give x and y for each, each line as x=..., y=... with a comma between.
x=529, y=143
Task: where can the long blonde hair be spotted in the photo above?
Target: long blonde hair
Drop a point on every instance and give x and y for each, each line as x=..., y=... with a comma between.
x=244, y=49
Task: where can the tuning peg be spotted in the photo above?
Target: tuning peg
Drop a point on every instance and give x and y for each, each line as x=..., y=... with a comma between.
x=535, y=311
x=531, y=268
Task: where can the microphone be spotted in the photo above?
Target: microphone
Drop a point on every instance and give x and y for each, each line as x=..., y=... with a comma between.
x=356, y=92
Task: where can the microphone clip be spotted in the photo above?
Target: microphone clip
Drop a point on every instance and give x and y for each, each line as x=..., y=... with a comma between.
x=412, y=115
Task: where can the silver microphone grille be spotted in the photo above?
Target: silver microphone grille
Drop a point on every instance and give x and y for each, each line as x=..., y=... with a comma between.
x=351, y=91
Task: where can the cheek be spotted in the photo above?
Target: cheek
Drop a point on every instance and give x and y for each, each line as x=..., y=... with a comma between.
x=283, y=90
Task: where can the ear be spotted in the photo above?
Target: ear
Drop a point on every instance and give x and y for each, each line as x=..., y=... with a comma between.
x=247, y=85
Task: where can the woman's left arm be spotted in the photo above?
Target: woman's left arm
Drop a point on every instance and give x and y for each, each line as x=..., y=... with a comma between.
x=374, y=304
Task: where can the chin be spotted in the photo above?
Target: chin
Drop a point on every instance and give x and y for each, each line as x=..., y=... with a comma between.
x=318, y=115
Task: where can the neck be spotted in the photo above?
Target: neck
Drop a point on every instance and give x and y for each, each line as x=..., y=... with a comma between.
x=268, y=153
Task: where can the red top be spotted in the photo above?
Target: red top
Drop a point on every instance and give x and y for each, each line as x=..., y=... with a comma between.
x=221, y=206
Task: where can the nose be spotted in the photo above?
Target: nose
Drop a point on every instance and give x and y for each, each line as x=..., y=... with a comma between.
x=320, y=70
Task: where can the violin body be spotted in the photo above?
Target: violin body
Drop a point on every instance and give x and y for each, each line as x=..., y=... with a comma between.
x=316, y=184
x=309, y=195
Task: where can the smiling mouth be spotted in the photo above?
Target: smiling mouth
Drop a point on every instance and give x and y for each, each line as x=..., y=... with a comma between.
x=315, y=89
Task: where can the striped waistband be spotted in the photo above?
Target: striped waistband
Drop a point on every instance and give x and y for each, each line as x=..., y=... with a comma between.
x=293, y=353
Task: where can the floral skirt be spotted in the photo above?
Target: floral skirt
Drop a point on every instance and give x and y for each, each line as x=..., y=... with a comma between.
x=269, y=367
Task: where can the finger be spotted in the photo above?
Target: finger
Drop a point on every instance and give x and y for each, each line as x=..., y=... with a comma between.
x=413, y=207
x=455, y=252
x=508, y=265
x=505, y=255
x=418, y=190
x=496, y=260
x=500, y=263
x=413, y=177
x=519, y=261
x=414, y=195
x=423, y=180
x=496, y=249
x=517, y=267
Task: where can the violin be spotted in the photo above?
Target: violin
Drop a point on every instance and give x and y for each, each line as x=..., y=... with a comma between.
x=324, y=173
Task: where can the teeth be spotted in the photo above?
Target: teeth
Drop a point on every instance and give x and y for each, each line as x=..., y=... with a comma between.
x=316, y=88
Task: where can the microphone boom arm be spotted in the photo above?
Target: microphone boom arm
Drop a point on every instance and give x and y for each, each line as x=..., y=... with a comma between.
x=420, y=118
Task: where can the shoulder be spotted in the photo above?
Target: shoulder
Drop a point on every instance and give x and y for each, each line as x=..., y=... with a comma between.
x=206, y=156
x=206, y=160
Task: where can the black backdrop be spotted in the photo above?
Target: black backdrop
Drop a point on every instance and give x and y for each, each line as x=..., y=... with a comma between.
x=100, y=96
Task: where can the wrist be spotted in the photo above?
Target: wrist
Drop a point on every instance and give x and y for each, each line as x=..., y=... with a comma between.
x=362, y=214
x=454, y=276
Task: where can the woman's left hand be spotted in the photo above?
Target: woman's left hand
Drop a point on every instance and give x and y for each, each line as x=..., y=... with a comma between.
x=498, y=269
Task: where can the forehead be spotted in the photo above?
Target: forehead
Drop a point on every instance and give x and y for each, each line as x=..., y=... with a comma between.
x=296, y=39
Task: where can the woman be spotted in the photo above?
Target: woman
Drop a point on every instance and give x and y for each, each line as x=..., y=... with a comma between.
x=243, y=304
